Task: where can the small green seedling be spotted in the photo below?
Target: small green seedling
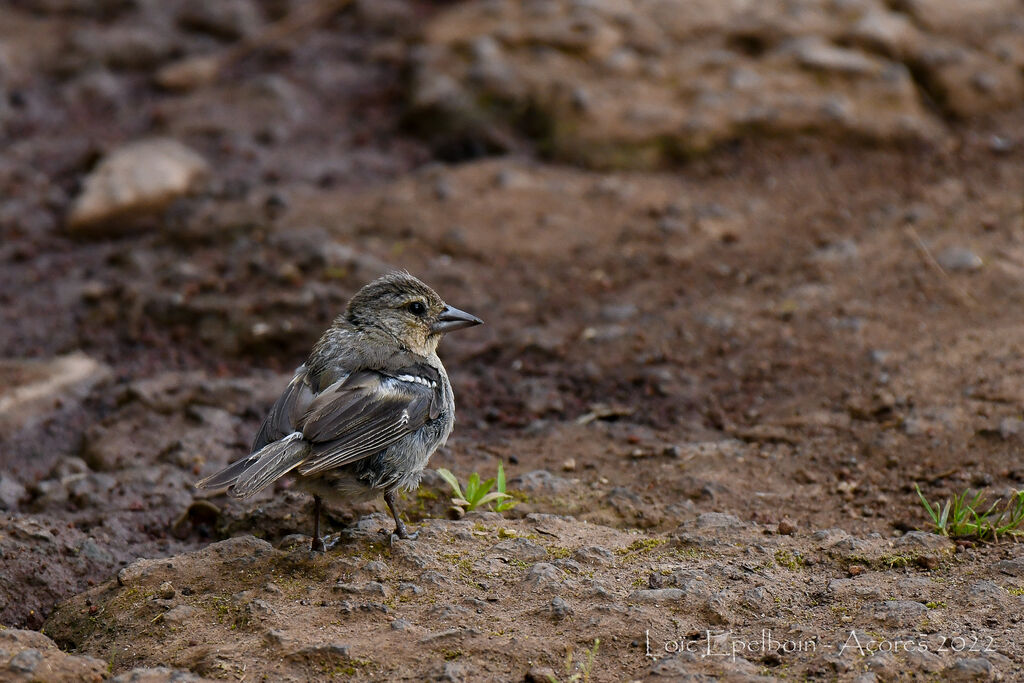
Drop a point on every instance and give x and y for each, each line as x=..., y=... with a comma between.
x=585, y=666
x=960, y=517
x=478, y=493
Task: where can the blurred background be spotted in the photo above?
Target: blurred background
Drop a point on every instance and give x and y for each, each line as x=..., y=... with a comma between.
x=760, y=257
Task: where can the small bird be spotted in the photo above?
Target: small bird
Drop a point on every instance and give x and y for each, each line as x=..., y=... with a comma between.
x=366, y=410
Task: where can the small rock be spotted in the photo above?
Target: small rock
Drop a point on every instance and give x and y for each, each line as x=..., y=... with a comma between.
x=179, y=615
x=959, y=259
x=1010, y=427
x=926, y=661
x=657, y=595
x=227, y=19
x=519, y=549
x=754, y=597
x=259, y=608
x=717, y=520
x=96, y=89
x=444, y=189
x=32, y=388
x=569, y=465
x=618, y=313
x=189, y=73
x=786, y=528
x=884, y=664
x=1000, y=144
x=166, y=590
x=1014, y=567
x=595, y=555
x=322, y=653
x=969, y=669
x=839, y=252
x=543, y=576
x=11, y=491
x=541, y=674
x=400, y=625
x=127, y=47
x=815, y=53
x=376, y=568
x=828, y=537
x=452, y=672
x=923, y=540
x=432, y=578
x=568, y=565
x=985, y=592
x=408, y=588
x=26, y=661
x=541, y=481
x=559, y=609
x=717, y=608
x=134, y=182
x=159, y=674
x=679, y=667
x=368, y=588
x=690, y=581
x=899, y=612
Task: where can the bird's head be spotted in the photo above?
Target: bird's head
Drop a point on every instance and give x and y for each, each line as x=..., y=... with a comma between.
x=406, y=309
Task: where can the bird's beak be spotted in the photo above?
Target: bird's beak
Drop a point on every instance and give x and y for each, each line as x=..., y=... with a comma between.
x=453, y=319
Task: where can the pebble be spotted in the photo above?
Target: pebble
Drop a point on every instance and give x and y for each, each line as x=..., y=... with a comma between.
x=595, y=555
x=408, y=588
x=166, y=590
x=179, y=615
x=969, y=669
x=923, y=540
x=540, y=674
x=899, y=612
x=986, y=593
x=11, y=492
x=1000, y=144
x=717, y=520
x=134, y=180
x=157, y=674
x=26, y=661
x=367, y=588
x=227, y=19
x=559, y=608
x=657, y=595
x=1014, y=567
x=959, y=259
x=541, y=481
x=1010, y=427
x=543, y=576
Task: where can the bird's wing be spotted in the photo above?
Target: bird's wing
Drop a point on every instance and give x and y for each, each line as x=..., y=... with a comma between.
x=278, y=425
x=367, y=412
x=287, y=411
x=269, y=464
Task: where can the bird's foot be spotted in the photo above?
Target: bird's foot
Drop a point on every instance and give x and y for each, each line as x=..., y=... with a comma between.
x=403, y=535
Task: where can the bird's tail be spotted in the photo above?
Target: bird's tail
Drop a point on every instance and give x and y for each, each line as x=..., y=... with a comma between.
x=251, y=475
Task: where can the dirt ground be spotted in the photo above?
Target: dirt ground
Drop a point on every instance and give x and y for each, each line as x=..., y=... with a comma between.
x=714, y=371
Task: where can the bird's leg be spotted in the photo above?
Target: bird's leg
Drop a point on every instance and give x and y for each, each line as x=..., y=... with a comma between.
x=318, y=543
x=400, y=531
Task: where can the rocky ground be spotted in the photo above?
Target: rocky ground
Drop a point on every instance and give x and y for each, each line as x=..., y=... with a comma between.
x=750, y=272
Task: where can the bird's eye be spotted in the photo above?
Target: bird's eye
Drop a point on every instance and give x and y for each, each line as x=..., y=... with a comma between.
x=417, y=308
